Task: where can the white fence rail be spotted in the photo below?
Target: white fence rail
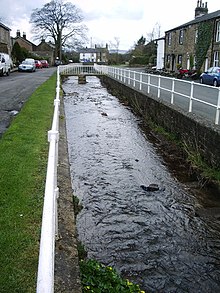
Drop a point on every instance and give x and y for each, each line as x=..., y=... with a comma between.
x=49, y=228
x=191, y=96
x=77, y=69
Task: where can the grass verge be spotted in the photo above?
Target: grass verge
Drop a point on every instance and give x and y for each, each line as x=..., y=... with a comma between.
x=23, y=157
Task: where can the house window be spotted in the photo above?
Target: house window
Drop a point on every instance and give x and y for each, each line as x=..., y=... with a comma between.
x=168, y=61
x=217, y=39
x=196, y=36
x=216, y=58
x=169, y=39
x=179, y=59
x=181, y=37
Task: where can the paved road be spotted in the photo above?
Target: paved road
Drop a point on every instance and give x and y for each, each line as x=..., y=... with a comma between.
x=15, y=91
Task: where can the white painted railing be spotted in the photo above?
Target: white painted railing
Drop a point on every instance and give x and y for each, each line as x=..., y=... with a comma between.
x=77, y=69
x=49, y=228
x=188, y=95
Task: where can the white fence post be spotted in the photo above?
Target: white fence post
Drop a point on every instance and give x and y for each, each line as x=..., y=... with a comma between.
x=148, y=84
x=158, y=92
x=191, y=97
x=172, y=91
x=218, y=108
x=141, y=79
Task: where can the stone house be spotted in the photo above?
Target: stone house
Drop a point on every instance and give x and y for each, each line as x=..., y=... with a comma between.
x=182, y=42
x=22, y=41
x=46, y=50
x=5, y=39
x=94, y=55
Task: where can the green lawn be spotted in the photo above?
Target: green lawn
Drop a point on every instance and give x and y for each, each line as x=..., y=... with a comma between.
x=23, y=160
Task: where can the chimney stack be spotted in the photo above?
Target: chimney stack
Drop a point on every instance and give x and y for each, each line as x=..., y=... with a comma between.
x=24, y=35
x=201, y=9
x=18, y=33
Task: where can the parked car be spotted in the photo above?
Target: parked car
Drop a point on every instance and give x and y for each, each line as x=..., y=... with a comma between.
x=27, y=65
x=38, y=64
x=211, y=76
x=29, y=59
x=44, y=63
x=5, y=64
x=57, y=62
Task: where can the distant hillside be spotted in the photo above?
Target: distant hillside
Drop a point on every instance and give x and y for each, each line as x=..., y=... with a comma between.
x=112, y=51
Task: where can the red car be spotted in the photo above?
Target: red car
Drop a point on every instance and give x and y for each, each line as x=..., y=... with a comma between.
x=38, y=64
x=44, y=63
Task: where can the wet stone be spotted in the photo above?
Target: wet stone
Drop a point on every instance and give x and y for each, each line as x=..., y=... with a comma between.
x=151, y=187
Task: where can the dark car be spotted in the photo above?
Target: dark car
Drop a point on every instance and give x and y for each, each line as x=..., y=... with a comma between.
x=38, y=64
x=57, y=62
x=44, y=63
x=211, y=76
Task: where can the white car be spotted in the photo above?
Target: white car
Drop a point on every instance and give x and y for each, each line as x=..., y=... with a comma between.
x=5, y=64
x=27, y=65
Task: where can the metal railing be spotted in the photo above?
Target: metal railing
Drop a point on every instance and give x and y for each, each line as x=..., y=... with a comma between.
x=49, y=228
x=191, y=96
x=78, y=69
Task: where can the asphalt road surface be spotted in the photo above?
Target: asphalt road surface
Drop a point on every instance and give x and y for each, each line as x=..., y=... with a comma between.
x=15, y=90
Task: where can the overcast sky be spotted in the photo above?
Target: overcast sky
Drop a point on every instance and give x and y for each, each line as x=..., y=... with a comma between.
x=126, y=20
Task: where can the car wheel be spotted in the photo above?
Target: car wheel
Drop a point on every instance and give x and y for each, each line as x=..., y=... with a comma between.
x=215, y=82
x=8, y=72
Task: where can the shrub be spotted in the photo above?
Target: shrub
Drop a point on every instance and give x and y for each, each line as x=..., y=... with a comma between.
x=97, y=278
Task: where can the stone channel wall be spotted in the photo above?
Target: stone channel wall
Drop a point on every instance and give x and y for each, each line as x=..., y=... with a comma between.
x=198, y=135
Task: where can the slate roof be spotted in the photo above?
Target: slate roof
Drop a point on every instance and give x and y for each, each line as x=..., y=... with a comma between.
x=87, y=50
x=199, y=19
x=5, y=27
x=92, y=50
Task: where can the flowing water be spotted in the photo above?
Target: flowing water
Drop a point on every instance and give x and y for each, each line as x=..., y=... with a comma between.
x=154, y=238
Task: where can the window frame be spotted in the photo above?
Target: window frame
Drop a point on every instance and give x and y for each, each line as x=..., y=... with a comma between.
x=169, y=38
x=217, y=35
x=181, y=36
x=215, y=58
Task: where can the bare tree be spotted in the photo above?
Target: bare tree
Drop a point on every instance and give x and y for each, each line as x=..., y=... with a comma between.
x=115, y=44
x=58, y=21
x=155, y=34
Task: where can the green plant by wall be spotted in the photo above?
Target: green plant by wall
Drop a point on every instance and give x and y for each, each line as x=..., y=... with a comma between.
x=97, y=278
x=203, y=42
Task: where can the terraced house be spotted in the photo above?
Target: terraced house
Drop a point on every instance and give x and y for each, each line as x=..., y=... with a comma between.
x=195, y=44
x=5, y=39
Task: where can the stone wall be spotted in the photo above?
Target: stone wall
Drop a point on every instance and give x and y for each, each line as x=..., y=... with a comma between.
x=197, y=134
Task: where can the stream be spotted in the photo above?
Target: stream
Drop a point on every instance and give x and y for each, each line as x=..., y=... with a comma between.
x=155, y=238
